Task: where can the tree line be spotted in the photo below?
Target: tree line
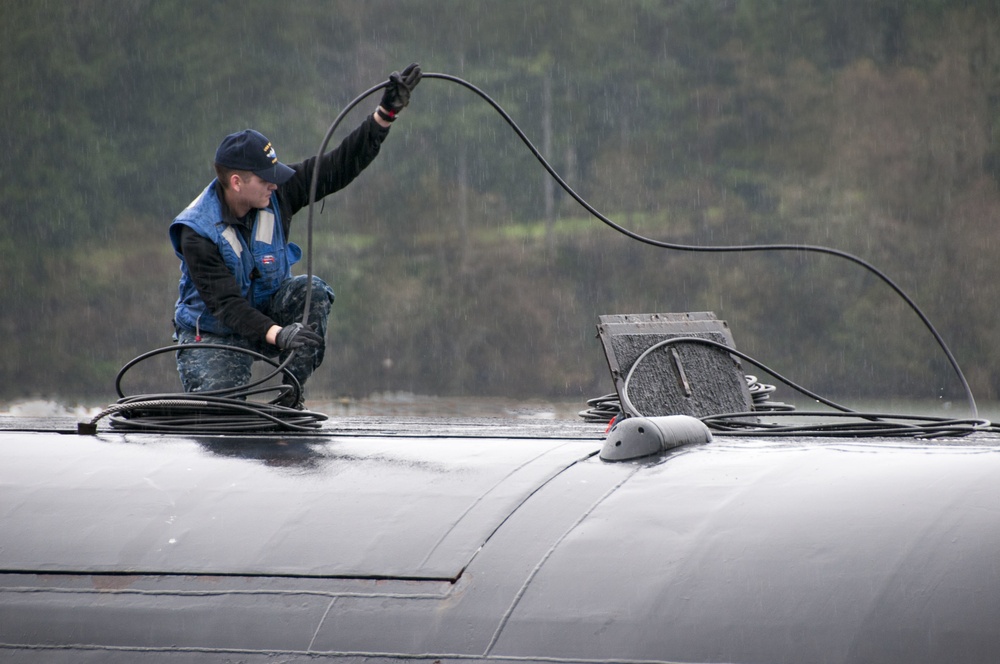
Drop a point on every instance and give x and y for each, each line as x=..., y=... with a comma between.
x=872, y=126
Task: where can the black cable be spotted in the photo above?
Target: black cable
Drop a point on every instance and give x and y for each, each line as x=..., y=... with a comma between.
x=602, y=409
x=608, y=408
x=212, y=411
x=760, y=394
x=129, y=409
x=862, y=424
x=727, y=248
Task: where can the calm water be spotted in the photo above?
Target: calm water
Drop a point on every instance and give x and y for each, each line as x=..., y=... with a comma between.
x=412, y=405
x=399, y=404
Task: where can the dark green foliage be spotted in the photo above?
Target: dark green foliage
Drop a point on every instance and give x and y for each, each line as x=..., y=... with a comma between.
x=872, y=126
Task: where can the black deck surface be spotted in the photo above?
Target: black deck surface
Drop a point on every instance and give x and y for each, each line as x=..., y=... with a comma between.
x=469, y=537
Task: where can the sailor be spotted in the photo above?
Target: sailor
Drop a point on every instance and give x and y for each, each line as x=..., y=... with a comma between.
x=236, y=285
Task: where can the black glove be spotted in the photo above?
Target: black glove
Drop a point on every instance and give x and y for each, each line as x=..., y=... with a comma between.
x=295, y=336
x=397, y=92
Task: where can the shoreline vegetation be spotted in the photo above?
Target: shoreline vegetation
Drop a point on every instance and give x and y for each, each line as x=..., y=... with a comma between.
x=872, y=127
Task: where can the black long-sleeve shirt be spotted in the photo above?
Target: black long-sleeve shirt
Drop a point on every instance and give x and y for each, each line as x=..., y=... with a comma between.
x=216, y=285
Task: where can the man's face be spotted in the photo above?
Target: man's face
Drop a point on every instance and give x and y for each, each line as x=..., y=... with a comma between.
x=256, y=192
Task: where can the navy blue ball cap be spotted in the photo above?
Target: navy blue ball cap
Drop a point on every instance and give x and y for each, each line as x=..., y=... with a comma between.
x=249, y=150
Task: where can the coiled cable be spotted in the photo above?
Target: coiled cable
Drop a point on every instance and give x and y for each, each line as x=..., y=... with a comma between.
x=847, y=422
x=227, y=410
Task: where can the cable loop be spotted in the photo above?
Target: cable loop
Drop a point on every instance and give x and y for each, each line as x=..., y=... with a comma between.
x=234, y=400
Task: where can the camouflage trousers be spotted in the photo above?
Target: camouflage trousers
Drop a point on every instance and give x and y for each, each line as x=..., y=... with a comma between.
x=203, y=370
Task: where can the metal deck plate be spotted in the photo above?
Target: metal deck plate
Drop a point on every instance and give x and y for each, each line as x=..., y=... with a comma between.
x=682, y=379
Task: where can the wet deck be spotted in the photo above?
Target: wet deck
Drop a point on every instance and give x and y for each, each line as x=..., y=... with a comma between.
x=478, y=537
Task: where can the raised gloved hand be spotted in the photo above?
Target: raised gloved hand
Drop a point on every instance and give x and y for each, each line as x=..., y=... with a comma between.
x=397, y=92
x=295, y=336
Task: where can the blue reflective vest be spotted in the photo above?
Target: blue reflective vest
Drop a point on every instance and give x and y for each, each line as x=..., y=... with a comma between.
x=258, y=268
